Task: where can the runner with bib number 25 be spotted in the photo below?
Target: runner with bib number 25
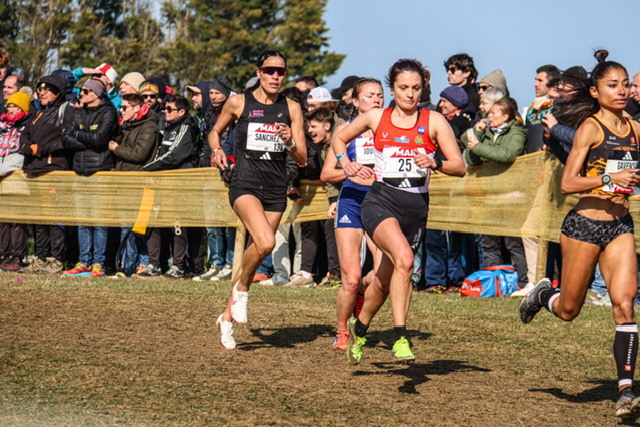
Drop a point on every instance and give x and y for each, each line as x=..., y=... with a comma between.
x=394, y=212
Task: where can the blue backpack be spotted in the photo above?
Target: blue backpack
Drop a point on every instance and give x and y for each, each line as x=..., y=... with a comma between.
x=496, y=281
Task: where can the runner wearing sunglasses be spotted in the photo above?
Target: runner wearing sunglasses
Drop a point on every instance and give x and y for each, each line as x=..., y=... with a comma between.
x=268, y=126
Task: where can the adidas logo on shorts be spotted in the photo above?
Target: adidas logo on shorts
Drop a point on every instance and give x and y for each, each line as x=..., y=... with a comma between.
x=405, y=184
x=345, y=220
x=265, y=156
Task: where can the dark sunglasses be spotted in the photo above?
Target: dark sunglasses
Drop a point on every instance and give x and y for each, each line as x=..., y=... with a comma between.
x=170, y=110
x=125, y=107
x=272, y=70
x=85, y=91
x=452, y=69
x=483, y=87
x=152, y=96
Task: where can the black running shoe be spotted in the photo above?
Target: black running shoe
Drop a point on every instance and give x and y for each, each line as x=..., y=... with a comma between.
x=530, y=305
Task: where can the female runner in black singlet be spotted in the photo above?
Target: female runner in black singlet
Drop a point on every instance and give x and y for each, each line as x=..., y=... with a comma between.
x=268, y=127
x=603, y=167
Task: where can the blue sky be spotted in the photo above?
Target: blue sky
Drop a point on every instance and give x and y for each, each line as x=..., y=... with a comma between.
x=515, y=36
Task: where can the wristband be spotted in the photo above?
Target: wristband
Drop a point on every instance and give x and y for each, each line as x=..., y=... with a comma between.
x=438, y=164
x=290, y=147
x=340, y=156
x=215, y=150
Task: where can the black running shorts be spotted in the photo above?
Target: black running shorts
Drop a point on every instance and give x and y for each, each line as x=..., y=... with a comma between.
x=272, y=200
x=601, y=233
x=409, y=209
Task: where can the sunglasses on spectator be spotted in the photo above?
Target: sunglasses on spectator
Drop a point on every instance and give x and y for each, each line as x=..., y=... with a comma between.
x=452, y=69
x=125, y=107
x=152, y=96
x=85, y=91
x=170, y=110
x=483, y=87
x=272, y=70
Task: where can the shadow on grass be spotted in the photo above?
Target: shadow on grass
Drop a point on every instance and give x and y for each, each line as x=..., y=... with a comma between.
x=419, y=373
x=287, y=337
x=604, y=390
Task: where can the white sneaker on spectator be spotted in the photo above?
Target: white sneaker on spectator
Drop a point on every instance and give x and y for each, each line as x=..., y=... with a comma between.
x=207, y=275
x=226, y=334
x=299, y=281
x=273, y=281
x=239, y=305
x=524, y=291
x=223, y=274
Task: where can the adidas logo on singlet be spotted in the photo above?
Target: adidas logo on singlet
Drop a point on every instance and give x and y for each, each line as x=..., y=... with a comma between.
x=265, y=156
x=405, y=184
x=345, y=220
x=628, y=156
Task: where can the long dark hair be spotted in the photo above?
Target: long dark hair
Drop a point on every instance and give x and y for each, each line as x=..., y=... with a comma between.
x=410, y=65
x=575, y=105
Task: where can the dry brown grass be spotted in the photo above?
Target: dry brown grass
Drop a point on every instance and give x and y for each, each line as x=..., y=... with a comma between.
x=103, y=352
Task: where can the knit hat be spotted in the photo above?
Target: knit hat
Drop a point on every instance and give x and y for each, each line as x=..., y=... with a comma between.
x=134, y=80
x=319, y=94
x=20, y=99
x=95, y=86
x=108, y=71
x=495, y=79
x=160, y=85
x=222, y=85
x=455, y=95
x=147, y=86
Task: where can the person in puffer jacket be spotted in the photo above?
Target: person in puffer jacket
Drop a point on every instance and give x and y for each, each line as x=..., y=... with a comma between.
x=87, y=136
x=41, y=145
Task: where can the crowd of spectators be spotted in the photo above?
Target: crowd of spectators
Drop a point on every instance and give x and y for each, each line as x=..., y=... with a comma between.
x=88, y=120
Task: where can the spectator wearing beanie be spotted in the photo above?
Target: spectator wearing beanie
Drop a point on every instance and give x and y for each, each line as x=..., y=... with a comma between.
x=130, y=83
x=453, y=101
x=13, y=237
x=493, y=79
x=107, y=75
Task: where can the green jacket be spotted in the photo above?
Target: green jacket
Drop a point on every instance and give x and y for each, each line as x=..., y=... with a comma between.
x=508, y=145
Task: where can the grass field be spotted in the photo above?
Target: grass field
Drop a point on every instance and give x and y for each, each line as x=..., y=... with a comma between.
x=96, y=352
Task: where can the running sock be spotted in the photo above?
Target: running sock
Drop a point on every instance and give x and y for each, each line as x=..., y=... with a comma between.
x=399, y=332
x=361, y=328
x=625, y=352
x=547, y=296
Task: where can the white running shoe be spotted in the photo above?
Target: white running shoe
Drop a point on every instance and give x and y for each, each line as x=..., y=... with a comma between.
x=226, y=334
x=223, y=274
x=207, y=275
x=239, y=305
x=524, y=291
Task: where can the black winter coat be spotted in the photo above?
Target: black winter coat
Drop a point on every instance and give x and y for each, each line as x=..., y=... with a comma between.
x=88, y=135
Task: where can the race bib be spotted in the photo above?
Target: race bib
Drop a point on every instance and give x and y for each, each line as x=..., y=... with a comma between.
x=264, y=137
x=398, y=163
x=621, y=160
x=365, y=151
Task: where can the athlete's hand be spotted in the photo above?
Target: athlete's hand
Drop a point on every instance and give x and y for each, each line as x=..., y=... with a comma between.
x=626, y=178
x=423, y=161
x=285, y=133
x=356, y=169
x=219, y=159
x=331, y=213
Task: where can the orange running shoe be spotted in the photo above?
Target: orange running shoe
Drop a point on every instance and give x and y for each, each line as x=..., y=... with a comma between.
x=341, y=341
x=78, y=269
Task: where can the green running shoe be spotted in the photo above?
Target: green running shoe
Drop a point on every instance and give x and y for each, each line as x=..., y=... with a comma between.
x=402, y=350
x=354, y=348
